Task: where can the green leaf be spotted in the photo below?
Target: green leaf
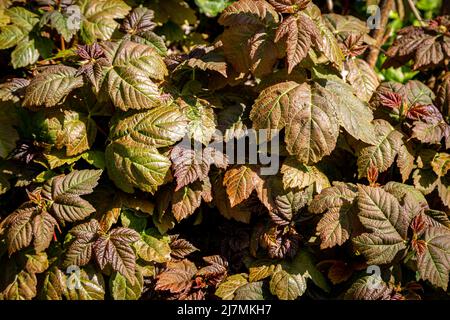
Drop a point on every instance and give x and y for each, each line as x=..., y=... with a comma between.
x=201, y=121
x=54, y=285
x=50, y=86
x=380, y=213
x=98, y=18
x=434, y=263
x=132, y=165
x=363, y=77
x=122, y=289
x=24, y=54
x=226, y=290
x=87, y=284
x=251, y=291
x=353, y=114
x=287, y=286
x=212, y=7
x=382, y=154
x=65, y=192
x=158, y=127
x=79, y=132
x=115, y=249
x=152, y=249
x=305, y=111
x=129, y=81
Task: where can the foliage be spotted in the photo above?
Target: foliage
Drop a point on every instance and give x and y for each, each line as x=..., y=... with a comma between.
x=98, y=116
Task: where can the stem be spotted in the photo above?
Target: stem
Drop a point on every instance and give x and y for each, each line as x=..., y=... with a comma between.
x=63, y=44
x=330, y=5
x=416, y=12
x=378, y=34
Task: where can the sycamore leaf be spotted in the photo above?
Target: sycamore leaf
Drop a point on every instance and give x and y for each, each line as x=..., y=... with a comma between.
x=381, y=214
x=405, y=160
x=123, y=289
x=133, y=164
x=240, y=182
x=36, y=263
x=434, y=262
x=115, y=249
x=65, y=192
x=85, y=285
x=79, y=132
x=98, y=18
x=383, y=153
x=180, y=248
x=159, y=127
x=50, y=86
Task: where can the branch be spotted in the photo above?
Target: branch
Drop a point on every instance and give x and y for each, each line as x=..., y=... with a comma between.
x=378, y=34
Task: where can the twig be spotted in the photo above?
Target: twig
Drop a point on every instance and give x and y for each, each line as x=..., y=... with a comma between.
x=416, y=12
x=378, y=34
x=330, y=5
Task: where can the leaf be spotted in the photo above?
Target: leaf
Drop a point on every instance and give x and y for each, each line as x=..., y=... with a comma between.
x=380, y=213
x=65, y=192
x=129, y=81
x=43, y=229
x=139, y=21
x=187, y=199
x=132, y=165
x=222, y=201
x=287, y=286
x=54, y=286
x=226, y=290
x=80, y=251
x=122, y=289
x=24, y=54
x=189, y=164
x=98, y=18
x=304, y=264
x=177, y=277
x=251, y=291
x=383, y=153
x=63, y=24
x=405, y=160
x=20, y=231
x=152, y=249
x=246, y=12
x=328, y=45
x=363, y=77
x=434, y=263
x=239, y=182
x=201, y=121
x=8, y=134
x=208, y=59
x=36, y=263
x=212, y=8
x=158, y=127
x=369, y=288
x=23, y=287
x=87, y=284
x=50, y=86
x=298, y=175
x=79, y=132
x=298, y=34
x=180, y=248
x=311, y=125
x=353, y=114
x=114, y=249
